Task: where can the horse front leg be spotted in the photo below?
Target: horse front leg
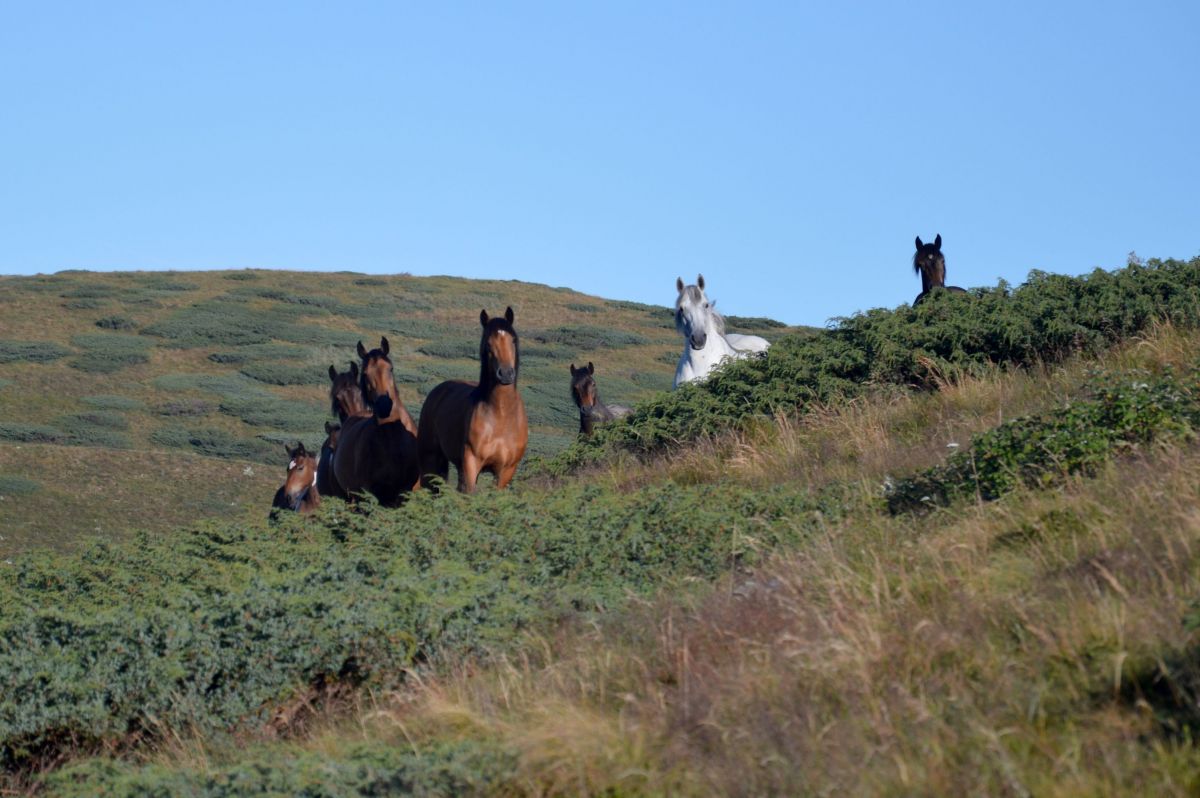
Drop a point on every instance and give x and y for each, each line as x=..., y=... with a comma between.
x=504, y=475
x=468, y=472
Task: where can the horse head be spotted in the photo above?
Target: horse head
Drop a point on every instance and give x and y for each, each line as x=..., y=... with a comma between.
x=929, y=262
x=583, y=387
x=695, y=316
x=499, y=349
x=345, y=393
x=301, y=475
x=376, y=378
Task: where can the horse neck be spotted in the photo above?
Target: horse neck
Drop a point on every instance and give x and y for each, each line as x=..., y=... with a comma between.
x=586, y=423
x=399, y=412
x=353, y=408
x=932, y=278
x=493, y=394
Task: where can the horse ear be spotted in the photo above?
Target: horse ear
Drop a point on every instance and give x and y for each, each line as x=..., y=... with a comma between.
x=591, y=368
x=288, y=448
x=328, y=428
x=354, y=370
x=937, y=242
x=508, y=314
x=679, y=284
x=300, y=449
x=362, y=352
x=483, y=317
x=383, y=344
x=700, y=281
x=332, y=373
x=919, y=244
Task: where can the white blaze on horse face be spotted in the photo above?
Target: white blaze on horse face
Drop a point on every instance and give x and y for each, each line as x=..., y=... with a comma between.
x=291, y=465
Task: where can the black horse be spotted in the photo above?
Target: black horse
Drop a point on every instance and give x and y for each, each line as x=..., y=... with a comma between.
x=930, y=263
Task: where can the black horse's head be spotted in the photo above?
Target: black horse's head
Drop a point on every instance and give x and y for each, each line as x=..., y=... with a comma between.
x=929, y=262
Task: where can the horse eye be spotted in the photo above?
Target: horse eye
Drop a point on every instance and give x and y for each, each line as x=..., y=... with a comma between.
x=706, y=306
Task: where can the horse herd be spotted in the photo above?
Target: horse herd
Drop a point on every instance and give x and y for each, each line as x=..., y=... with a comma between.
x=481, y=426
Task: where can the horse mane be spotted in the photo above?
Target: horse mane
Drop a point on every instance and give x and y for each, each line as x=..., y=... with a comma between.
x=695, y=297
x=496, y=324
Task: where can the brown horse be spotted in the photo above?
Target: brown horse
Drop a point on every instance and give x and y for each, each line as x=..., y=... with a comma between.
x=931, y=265
x=378, y=452
x=478, y=426
x=299, y=491
x=345, y=394
x=587, y=399
x=327, y=483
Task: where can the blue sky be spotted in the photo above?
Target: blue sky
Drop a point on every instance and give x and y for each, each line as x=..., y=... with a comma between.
x=789, y=151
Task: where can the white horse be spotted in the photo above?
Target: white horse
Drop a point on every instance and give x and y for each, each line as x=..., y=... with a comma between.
x=705, y=342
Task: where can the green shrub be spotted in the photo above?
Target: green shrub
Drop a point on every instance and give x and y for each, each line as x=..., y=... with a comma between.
x=217, y=624
x=31, y=351
x=113, y=402
x=587, y=337
x=116, y=322
x=221, y=322
x=212, y=442
x=186, y=407
x=451, y=349
x=108, y=352
x=275, y=373
x=30, y=433
x=12, y=485
x=84, y=304
x=1039, y=451
x=245, y=275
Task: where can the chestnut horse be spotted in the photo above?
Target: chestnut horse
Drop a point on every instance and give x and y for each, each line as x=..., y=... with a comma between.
x=478, y=426
x=930, y=263
x=299, y=491
x=587, y=399
x=378, y=452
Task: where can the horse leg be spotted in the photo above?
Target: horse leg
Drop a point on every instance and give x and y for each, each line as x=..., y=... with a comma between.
x=505, y=474
x=468, y=472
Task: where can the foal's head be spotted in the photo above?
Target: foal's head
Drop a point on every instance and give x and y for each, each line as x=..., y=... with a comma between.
x=695, y=314
x=376, y=378
x=929, y=262
x=499, y=349
x=301, y=475
x=583, y=387
x=345, y=394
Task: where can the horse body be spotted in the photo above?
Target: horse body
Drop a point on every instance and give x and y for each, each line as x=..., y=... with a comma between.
x=299, y=491
x=327, y=483
x=705, y=342
x=930, y=263
x=377, y=452
x=477, y=426
x=587, y=399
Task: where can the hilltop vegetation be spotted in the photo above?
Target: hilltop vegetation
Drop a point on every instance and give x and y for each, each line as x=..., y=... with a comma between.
x=950, y=550
x=196, y=380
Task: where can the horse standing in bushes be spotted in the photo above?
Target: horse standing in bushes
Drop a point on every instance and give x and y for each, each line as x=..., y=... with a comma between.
x=299, y=491
x=377, y=452
x=930, y=263
x=478, y=426
x=327, y=483
x=587, y=399
x=705, y=342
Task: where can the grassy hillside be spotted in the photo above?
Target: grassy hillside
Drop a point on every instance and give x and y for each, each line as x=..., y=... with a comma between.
x=149, y=399
x=944, y=551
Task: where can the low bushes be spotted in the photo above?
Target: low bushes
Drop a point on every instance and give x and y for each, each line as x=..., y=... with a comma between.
x=31, y=351
x=212, y=442
x=105, y=353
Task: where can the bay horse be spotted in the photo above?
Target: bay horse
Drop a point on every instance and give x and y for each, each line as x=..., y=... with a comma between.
x=930, y=263
x=327, y=483
x=705, y=342
x=478, y=426
x=377, y=452
x=299, y=491
x=587, y=399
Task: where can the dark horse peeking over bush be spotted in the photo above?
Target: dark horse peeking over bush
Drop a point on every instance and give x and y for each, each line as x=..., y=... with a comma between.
x=930, y=263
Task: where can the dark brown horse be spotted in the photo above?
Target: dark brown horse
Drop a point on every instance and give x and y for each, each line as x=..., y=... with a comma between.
x=930, y=263
x=378, y=452
x=478, y=426
x=299, y=491
x=345, y=394
x=327, y=483
x=587, y=399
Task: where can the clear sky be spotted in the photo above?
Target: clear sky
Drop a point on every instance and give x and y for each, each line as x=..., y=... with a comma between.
x=789, y=151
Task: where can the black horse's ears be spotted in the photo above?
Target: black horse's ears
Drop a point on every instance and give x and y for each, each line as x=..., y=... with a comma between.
x=483, y=317
x=328, y=427
x=679, y=284
x=919, y=244
x=332, y=373
x=362, y=352
x=354, y=370
x=700, y=281
x=508, y=314
x=591, y=368
x=572, y=369
x=937, y=242
x=383, y=344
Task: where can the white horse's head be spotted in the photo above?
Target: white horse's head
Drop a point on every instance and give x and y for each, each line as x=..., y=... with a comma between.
x=695, y=317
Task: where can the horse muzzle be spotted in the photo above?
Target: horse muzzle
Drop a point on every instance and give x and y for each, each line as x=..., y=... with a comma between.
x=698, y=340
x=506, y=375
